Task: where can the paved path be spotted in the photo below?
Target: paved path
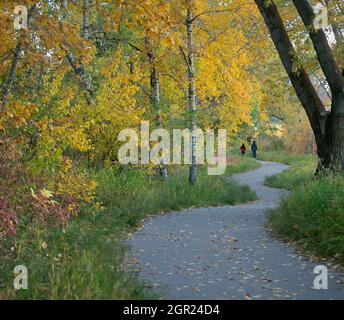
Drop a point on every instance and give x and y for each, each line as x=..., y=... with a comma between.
x=226, y=253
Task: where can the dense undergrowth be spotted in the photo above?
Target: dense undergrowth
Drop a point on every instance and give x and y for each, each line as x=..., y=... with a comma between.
x=83, y=259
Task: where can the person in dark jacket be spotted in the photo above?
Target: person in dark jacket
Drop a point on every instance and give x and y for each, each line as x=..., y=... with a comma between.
x=254, y=149
x=243, y=149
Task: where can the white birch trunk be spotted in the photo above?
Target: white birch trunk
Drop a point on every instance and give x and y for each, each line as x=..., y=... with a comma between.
x=155, y=87
x=86, y=20
x=192, y=93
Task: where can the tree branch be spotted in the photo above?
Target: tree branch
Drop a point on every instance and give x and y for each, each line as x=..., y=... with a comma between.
x=322, y=48
x=185, y=58
x=303, y=86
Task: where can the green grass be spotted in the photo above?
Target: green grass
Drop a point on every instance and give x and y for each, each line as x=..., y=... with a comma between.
x=239, y=164
x=301, y=171
x=313, y=214
x=84, y=260
x=284, y=157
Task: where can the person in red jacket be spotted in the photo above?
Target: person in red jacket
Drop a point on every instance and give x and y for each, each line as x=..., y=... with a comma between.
x=243, y=149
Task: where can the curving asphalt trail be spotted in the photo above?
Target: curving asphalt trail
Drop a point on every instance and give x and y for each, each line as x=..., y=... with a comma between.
x=226, y=253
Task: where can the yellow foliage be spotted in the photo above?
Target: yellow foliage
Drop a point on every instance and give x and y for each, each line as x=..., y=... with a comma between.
x=74, y=189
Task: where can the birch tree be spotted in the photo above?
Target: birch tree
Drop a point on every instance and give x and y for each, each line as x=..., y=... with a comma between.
x=155, y=97
x=192, y=91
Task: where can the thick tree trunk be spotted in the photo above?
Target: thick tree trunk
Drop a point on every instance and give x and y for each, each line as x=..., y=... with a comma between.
x=328, y=127
x=192, y=93
x=331, y=155
x=334, y=129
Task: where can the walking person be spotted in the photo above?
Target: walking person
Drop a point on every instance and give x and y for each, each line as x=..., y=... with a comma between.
x=243, y=149
x=254, y=149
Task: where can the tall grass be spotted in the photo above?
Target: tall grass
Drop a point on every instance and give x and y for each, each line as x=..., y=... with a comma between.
x=301, y=171
x=84, y=259
x=313, y=214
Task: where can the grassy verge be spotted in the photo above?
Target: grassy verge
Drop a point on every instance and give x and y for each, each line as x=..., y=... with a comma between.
x=301, y=171
x=84, y=259
x=313, y=214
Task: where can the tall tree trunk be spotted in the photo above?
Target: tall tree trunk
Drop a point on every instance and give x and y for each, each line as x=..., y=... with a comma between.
x=86, y=77
x=328, y=127
x=155, y=99
x=13, y=70
x=86, y=19
x=192, y=93
x=333, y=155
x=85, y=80
x=155, y=86
x=11, y=75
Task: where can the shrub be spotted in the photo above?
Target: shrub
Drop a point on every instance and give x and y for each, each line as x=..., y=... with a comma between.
x=8, y=219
